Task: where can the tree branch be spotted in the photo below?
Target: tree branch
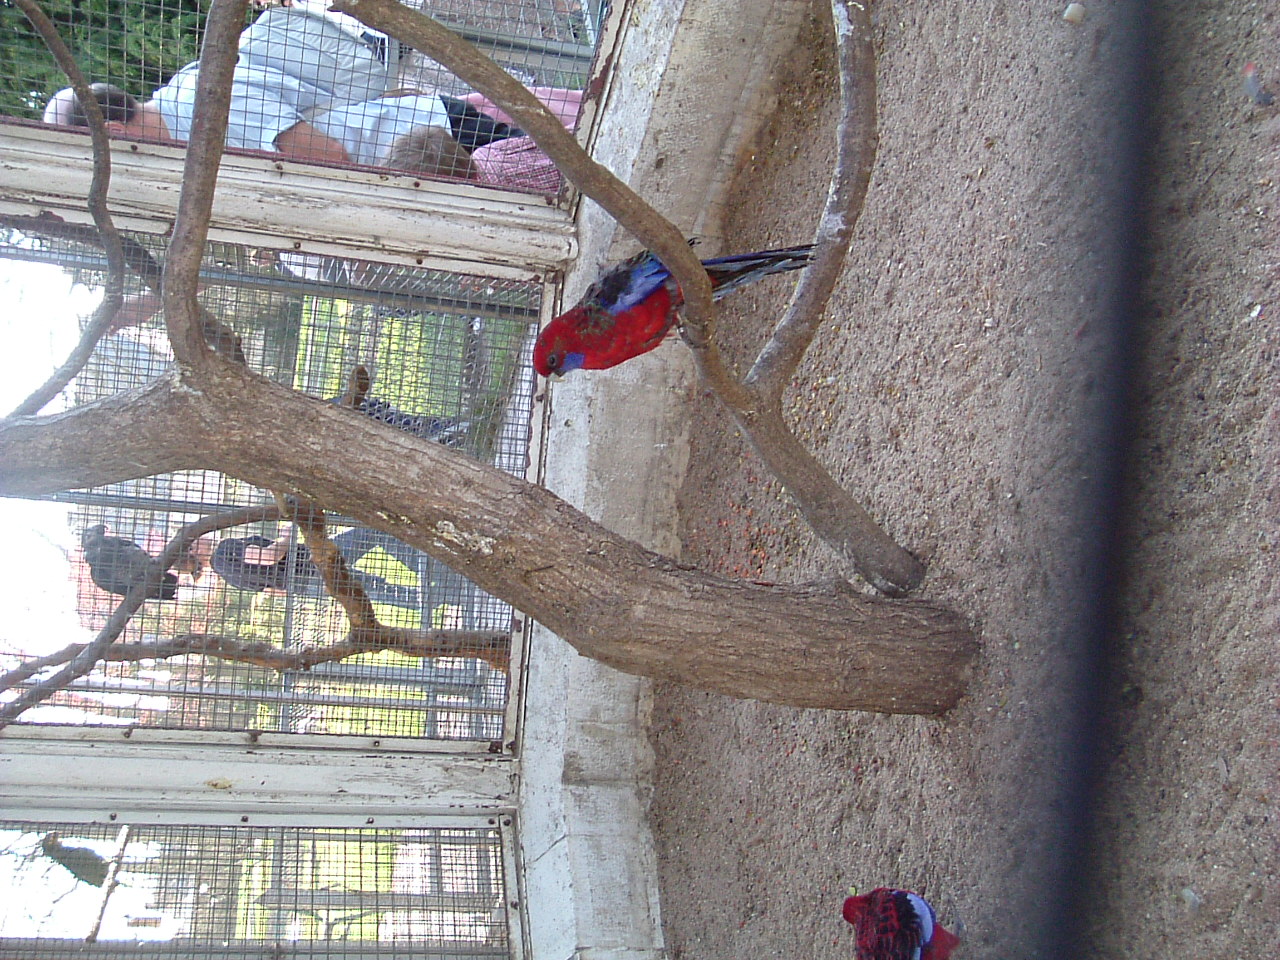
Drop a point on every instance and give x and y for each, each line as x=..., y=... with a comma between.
x=110, y=883
x=85, y=660
x=487, y=645
x=218, y=54
x=857, y=141
x=339, y=582
x=755, y=403
x=623, y=204
x=807, y=644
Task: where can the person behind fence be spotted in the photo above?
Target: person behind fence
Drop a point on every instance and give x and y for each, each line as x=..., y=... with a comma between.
x=510, y=162
x=258, y=563
x=449, y=130
x=294, y=61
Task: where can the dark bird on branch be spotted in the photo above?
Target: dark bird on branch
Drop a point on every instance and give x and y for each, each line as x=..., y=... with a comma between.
x=116, y=565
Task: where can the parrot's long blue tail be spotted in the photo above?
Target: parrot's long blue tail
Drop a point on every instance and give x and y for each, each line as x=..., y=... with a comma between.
x=730, y=273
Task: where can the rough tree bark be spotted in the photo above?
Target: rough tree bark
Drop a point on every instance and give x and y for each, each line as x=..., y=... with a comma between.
x=813, y=645
x=818, y=645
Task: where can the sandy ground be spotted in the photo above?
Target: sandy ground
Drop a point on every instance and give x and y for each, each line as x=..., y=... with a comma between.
x=954, y=389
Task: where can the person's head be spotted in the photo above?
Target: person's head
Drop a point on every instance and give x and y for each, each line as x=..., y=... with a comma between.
x=430, y=151
x=117, y=106
x=123, y=114
x=202, y=548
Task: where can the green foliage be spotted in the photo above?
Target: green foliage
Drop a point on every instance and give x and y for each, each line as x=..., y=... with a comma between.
x=137, y=46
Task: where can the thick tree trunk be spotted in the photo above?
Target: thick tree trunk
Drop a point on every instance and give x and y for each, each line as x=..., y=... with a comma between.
x=813, y=645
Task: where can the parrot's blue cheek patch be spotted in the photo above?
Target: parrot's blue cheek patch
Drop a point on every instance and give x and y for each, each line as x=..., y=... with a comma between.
x=571, y=362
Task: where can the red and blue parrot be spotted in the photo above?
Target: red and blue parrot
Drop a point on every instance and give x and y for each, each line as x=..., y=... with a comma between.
x=631, y=308
x=897, y=925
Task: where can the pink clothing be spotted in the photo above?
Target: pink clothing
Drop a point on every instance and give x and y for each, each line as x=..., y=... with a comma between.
x=565, y=104
x=517, y=161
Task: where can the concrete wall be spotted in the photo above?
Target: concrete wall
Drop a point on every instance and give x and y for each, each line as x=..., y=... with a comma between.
x=690, y=83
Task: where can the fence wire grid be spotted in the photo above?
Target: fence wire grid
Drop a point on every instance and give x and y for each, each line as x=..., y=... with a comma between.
x=449, y=357
x=166, y=891
x=315, y=85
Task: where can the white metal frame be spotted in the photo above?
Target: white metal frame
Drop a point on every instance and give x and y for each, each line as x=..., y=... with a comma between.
x=158, y=776
x=313, y=209
x=46, y=774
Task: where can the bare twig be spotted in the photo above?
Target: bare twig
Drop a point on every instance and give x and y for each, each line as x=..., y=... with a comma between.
x=88, y=655
x=86, y=659
x=488, y=645
x=97, y=202
x=110, y=883
x=103, y=317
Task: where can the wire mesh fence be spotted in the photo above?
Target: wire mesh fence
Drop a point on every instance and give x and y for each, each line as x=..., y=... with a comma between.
x=210, y=649
x=164, y=891
x=313, y=84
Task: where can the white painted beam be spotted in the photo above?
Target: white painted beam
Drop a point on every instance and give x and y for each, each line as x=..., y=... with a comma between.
x=118, y=779
x=267, y=202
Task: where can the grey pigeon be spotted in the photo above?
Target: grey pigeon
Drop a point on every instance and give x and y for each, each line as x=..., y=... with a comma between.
x=116, y=564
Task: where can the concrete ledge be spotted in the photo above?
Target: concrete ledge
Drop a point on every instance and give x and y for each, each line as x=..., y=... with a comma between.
x=689, y=85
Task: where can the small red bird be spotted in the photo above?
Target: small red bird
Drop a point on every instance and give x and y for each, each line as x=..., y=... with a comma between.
x=897, y=925
x=1253, y=86
x=631, y=308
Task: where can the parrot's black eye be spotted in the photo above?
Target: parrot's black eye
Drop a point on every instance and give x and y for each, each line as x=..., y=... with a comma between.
x=553, y=361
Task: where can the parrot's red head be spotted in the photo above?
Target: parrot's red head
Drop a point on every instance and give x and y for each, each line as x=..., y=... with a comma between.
x=855, y=908
x=555, y=351
x=897, y=925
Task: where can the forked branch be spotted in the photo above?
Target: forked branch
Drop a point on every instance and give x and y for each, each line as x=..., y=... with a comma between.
x=755, y=401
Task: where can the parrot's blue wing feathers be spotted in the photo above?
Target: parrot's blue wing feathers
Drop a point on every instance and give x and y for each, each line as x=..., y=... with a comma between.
x=629, y=283
x=633, y=281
